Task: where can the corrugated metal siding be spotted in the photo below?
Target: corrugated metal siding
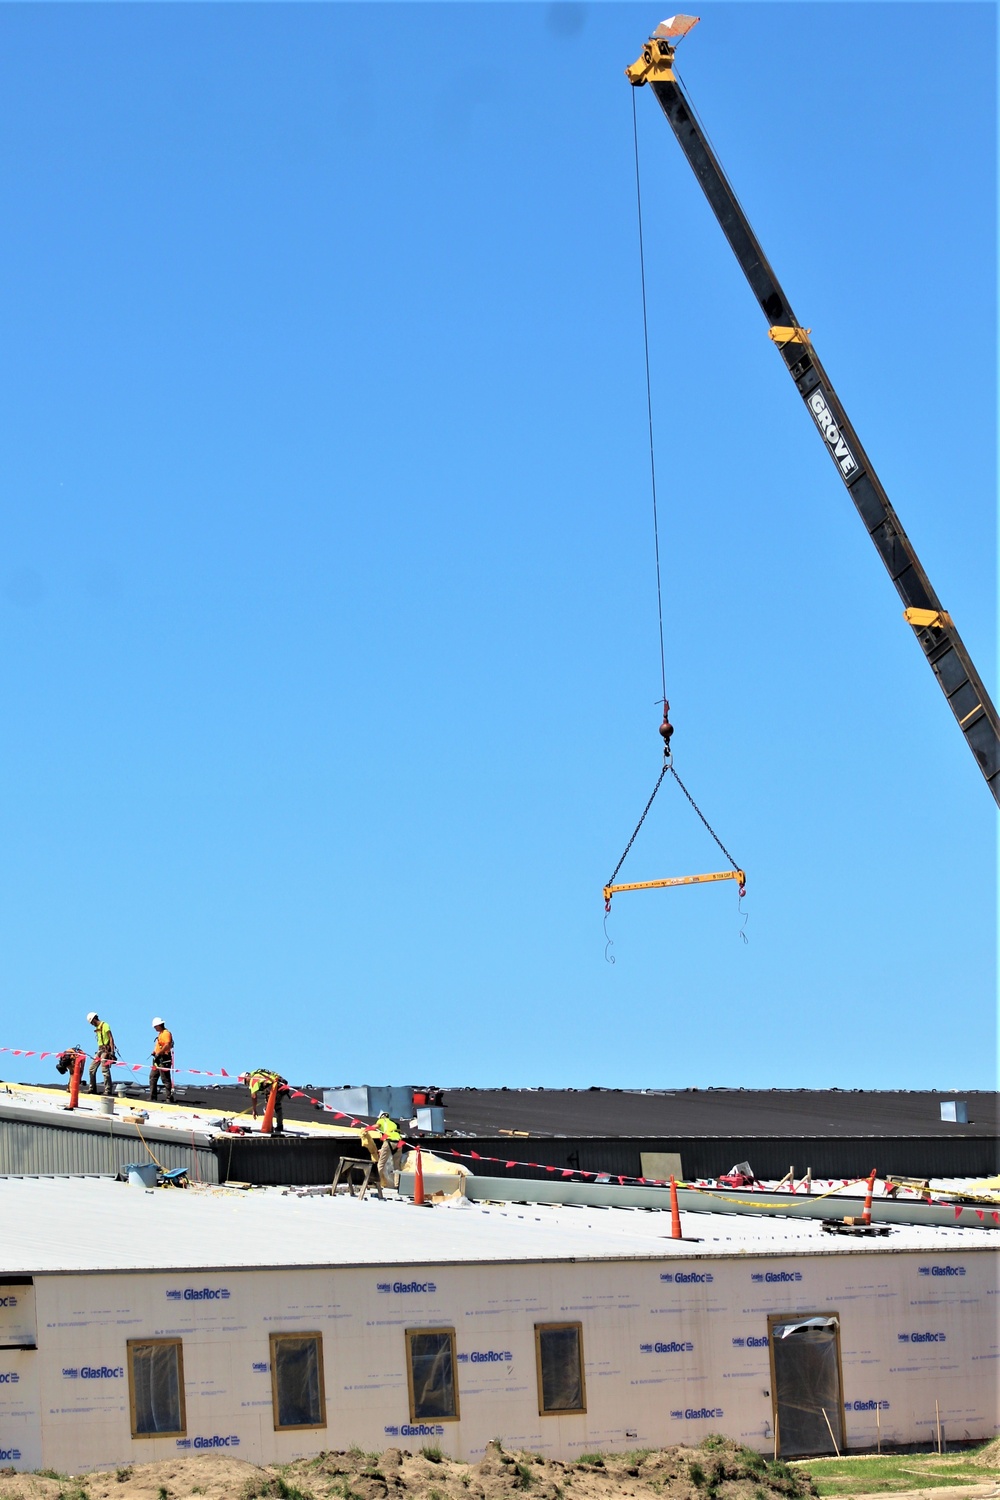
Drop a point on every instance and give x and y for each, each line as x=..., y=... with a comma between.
x=30, y=1149
x=284, y=1162
x=279, y=1162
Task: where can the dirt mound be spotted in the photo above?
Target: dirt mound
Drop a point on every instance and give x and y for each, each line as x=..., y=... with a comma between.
x=988, y=1457
x=215, y=1478
x=717, y=1470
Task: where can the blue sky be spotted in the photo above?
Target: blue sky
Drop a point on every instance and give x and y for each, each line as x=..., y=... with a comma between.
x=326, y=585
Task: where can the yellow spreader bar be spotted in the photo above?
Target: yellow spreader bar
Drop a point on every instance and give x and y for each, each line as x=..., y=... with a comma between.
x=655, y=885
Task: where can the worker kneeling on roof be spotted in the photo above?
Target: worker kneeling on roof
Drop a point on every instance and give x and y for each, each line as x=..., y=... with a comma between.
x=391, y=1150
x=104, y=1053
x=263, y=1080
x=163, y=1062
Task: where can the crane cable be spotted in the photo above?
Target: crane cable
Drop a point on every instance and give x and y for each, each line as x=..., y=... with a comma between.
x=649, y=413
x=666, y=729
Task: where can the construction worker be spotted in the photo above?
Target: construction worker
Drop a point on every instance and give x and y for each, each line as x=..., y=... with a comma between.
x=105, y=1053
x=262, y=1080
x=66, y=1061
x=163, y=1062
x=391, y=1150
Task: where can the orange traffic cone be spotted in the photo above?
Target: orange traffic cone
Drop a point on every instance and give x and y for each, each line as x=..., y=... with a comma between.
x=74, y=1082
x=866, y=1216
x=675, y=1213
x=267, y=1124
x=418, y=1180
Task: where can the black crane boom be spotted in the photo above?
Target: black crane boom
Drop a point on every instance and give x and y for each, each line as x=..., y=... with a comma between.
x=932, y=625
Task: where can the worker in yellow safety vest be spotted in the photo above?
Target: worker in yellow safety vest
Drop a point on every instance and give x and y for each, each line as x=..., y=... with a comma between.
x=263, y=1080
x=391, y=1149
x=104, y=1053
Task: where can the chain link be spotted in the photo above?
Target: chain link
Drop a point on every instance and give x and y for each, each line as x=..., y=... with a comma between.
x=659, y=779
x=700, y=814
x=669, y=766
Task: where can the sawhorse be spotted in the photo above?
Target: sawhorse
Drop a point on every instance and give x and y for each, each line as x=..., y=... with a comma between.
x=345, y=1171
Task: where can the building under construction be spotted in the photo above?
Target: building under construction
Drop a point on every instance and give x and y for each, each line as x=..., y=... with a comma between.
x=275, y=1326
x=516, y=1133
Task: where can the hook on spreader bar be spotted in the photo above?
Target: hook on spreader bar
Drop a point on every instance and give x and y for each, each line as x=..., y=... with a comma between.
x=655, y=885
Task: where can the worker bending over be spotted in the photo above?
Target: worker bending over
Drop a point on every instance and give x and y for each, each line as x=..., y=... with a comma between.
x=104, y=1053
x=391, y=1150
x=66, y=1061
x=262, y=1080
x=163, y=1062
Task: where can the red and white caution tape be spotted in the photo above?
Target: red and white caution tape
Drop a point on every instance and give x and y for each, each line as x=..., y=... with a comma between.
x=563, y=1172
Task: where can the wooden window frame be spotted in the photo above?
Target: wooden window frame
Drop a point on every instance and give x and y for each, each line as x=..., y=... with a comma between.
x=276, y=1338
x=562, y=1411
x=178, y=1344
x=410, y=1332
x=801, y=1317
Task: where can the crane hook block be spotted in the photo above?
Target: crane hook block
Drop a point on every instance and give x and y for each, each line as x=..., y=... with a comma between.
x=666, y=728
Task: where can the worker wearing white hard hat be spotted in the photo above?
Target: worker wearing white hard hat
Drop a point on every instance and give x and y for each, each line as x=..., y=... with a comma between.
x=104, y=1053
x=163, y=1062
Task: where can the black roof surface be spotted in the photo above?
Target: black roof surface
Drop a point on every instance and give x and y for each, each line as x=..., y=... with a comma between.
x=745, y=1113
x=723, y=1112
x=680, y=1113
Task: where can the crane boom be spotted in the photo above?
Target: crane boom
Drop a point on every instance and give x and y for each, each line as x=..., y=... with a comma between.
x=932, y=625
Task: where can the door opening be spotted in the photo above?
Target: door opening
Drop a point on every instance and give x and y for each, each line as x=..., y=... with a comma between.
x=806, y=1383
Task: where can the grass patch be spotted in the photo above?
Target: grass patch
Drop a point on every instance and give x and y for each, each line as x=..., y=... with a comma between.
x=752, y=1461
x=892, y=1472
x=596, y=1460
x=273, y=1488
x=432, y=1453
x=125, y=1473
x=525, y=1478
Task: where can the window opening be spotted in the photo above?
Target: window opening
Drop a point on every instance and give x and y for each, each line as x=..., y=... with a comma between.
x=806, y=1382
x=17, y=1313
x=297, y=1389
x=559, y=1362
x=430, y=1368
x=156, y=1387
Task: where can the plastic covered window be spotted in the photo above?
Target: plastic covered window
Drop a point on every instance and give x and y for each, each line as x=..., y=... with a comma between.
x=431, y=1372
x=559, y=1357
x=297, y=1380
x=156, y=1387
